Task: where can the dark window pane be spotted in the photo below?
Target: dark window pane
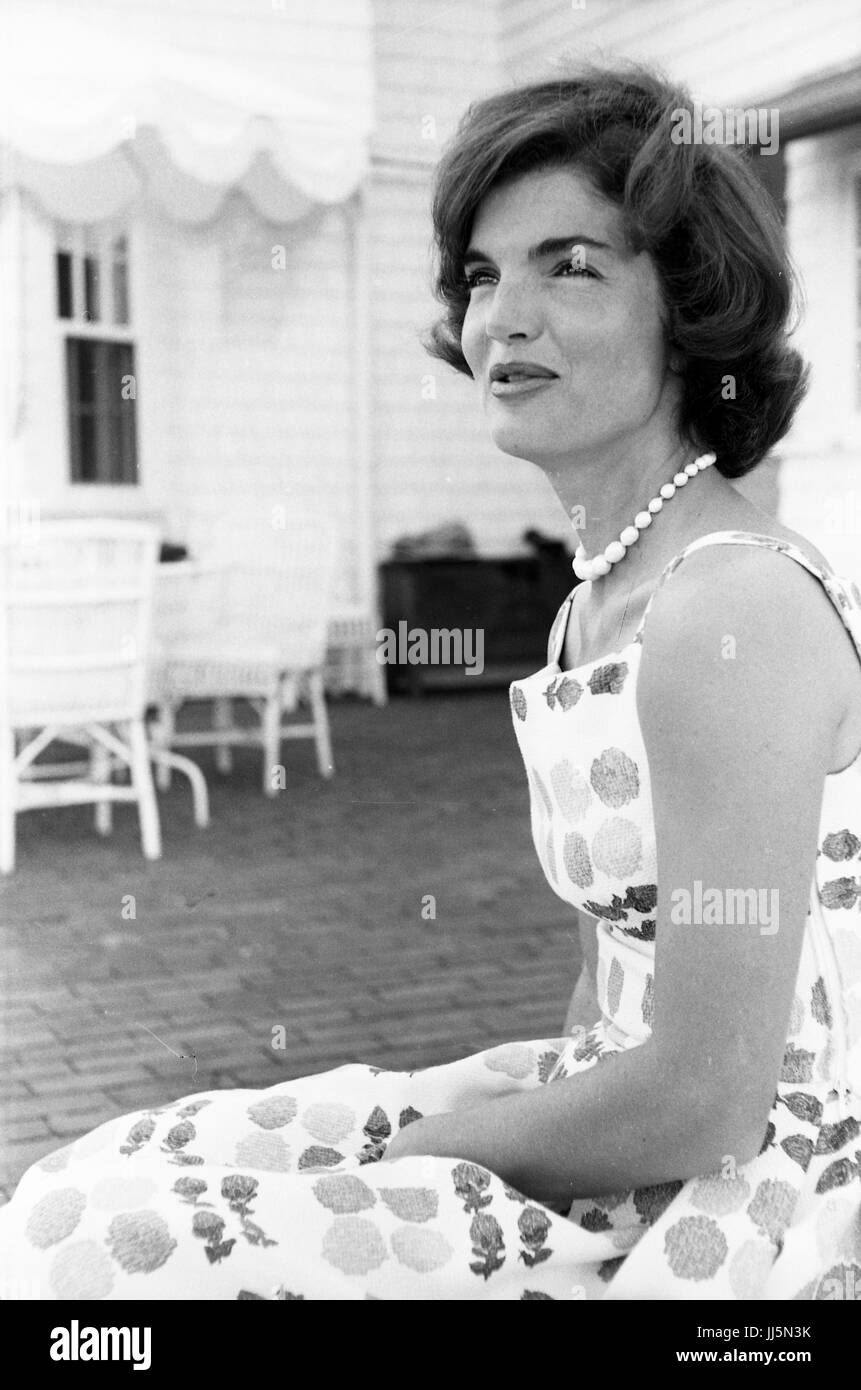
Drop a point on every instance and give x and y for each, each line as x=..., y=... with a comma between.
x=121, y=292
x=83, y=436
x=127, y=451
x=111, y=446
x=120, y=278
x=102, y=429
x=116, y=446
x=92, y=311
x=86, y=376
x=64, y=285
x=129, y=444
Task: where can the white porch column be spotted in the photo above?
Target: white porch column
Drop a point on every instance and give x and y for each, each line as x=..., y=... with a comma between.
x=356, y=213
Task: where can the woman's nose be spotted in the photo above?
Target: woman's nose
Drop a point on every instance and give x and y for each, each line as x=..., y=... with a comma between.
x=512, y=312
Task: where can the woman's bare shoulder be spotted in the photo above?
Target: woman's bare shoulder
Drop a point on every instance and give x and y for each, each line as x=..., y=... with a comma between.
x=755, y=587
x=779, y=577
x=736, y=512
x=766, y=615
x=771, y=527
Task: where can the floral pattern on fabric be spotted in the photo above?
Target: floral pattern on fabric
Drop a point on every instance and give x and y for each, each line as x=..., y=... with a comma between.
x=284, y=1197
x=603, y=865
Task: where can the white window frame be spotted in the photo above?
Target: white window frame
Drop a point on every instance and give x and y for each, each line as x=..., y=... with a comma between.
x=81, y=240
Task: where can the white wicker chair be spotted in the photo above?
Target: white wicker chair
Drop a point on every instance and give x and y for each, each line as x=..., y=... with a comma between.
x=247, y=621
x=75, y=615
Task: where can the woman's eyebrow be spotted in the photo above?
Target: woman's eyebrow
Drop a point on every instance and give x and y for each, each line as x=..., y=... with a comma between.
x=548, y=247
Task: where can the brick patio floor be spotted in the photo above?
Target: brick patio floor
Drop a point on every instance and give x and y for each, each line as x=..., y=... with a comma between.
x=303, y=911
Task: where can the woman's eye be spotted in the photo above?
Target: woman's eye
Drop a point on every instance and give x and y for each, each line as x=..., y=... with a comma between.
x=575, y=269
x=477, y=277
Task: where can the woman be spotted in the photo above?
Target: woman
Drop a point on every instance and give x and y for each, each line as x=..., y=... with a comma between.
x=622, y=304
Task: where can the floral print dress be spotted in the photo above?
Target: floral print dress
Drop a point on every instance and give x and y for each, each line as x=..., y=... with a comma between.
x=278, y=1194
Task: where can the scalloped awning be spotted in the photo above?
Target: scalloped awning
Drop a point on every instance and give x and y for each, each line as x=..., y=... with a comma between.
x=90, y=128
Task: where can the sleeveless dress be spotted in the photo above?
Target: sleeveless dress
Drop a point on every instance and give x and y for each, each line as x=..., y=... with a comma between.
x=277, y=1193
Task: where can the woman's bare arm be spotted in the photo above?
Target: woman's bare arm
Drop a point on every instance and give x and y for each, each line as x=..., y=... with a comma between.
x=739, y=738
x=583, y=1009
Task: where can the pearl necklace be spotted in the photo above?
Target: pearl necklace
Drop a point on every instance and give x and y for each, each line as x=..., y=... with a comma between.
x=616, y=550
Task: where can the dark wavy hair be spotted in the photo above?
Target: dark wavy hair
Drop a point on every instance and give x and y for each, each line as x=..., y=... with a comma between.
x=707, y=222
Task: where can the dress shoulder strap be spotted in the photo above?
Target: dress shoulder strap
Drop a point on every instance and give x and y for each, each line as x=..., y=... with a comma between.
x=843, y=592
x=556, y=639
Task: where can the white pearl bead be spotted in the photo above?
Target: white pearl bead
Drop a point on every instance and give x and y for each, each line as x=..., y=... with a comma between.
x=616, y=550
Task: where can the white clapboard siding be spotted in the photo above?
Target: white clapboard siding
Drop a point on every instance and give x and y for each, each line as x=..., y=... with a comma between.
x=263, y=368
x=821, y=473
x=733, y=51
x=822, y=231
x=37, y=449
x=243, y=373
x=433, y=459
x=430, y=60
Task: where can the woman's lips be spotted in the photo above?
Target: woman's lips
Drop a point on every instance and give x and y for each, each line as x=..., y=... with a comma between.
x=521, y=386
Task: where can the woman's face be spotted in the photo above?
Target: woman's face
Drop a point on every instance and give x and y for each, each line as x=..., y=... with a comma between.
x=598, y=328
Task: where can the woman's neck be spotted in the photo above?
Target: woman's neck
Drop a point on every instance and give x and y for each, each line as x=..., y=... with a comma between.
x=604, y=491
x=708, y=503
